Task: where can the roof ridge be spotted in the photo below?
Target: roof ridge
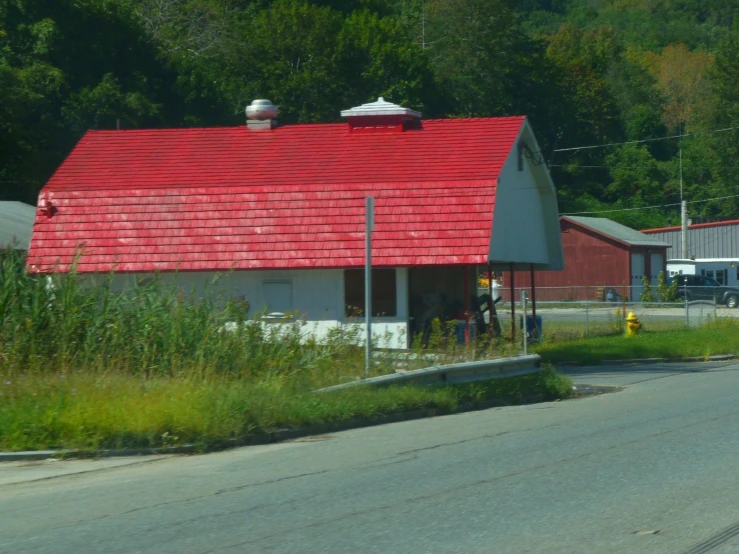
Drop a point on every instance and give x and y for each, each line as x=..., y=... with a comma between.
x=357, y=184
x=296, y=125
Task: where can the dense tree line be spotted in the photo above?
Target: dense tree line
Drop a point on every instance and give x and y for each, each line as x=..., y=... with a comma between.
x=587, y=72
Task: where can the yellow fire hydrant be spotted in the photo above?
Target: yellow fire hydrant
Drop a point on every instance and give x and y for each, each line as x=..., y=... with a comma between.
x=632, y=325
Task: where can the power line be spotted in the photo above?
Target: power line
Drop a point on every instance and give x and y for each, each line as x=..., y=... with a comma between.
x=645, y=140
x=624, y=209
x=712, y=199
x=654, y=207
x=577, y=166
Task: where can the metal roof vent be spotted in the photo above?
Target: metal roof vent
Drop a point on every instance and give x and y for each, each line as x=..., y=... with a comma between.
x=382, y=115
x=261, y=114
x=381, y=107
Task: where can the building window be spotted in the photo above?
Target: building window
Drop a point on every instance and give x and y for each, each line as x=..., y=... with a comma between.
x=278, y=296
x=384, y=298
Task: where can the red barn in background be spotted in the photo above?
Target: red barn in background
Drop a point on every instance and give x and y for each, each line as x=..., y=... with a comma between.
x=599, y=254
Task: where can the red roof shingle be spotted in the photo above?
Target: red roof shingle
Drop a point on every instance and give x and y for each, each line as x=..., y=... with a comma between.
x=292, y=197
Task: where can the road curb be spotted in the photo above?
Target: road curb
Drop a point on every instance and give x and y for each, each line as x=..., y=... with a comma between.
x=280, y=435
x=717, y=358
x=36, y=455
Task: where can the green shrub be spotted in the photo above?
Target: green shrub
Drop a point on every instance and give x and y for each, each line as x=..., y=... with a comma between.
x=647, y=295
x=667, y=293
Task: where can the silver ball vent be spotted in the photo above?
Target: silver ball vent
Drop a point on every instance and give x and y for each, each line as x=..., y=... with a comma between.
x=261, y=109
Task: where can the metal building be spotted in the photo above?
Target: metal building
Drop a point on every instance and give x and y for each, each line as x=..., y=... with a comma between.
x=16, y=225
x=705, y=240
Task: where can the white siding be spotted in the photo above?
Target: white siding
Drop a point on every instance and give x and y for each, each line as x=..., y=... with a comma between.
x=526, y=219
x=316, y=295
x=278, y=295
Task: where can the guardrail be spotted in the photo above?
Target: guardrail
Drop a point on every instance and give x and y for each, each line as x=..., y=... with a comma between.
x=453, y=374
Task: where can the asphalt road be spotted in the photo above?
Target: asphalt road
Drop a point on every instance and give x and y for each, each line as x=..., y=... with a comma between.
x=651, y=469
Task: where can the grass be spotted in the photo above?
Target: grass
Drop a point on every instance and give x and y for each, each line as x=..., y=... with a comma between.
x=90, y=412
x=718, y=337
x=564, y=330
x=85, y=366
x=63, y=322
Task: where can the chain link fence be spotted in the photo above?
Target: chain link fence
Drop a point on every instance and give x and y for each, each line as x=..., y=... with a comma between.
x=571, y=312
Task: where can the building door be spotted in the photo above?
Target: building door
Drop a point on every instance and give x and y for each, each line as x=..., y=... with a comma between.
x=656, y=265
x=637, y=274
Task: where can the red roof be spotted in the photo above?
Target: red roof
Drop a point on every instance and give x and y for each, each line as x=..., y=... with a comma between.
x=233, y=198
x=693, y=226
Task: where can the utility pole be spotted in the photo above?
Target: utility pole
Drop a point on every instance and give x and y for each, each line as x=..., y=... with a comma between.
x=683, y=207
x=681, y=174
x=525, y=323
x=684, y=223
x=369, y=224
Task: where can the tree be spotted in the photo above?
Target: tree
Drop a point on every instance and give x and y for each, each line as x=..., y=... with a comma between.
x=590, y=116
x=584, y=58
x=64, y=66
x=681, y=78
x=314, y=61
x=636, y=177
x=476, y=49
x=379, y=59
x=724, y=79
x=638, y=100
x=26, y=95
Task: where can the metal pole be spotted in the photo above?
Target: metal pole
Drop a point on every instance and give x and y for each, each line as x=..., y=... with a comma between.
x=681, y=172
x=685, y=295
x=369, y=224
x=525, y=323
x=587, y=316
x=684, y=224
x=533, y=301
x=623, y=299
x=491, y=304
x=513, y=305
x=467, y=304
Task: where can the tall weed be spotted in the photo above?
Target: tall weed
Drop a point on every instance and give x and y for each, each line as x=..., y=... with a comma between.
x=68, y=322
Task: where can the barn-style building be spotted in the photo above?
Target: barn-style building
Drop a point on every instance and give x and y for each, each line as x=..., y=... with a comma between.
x=280, y=209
